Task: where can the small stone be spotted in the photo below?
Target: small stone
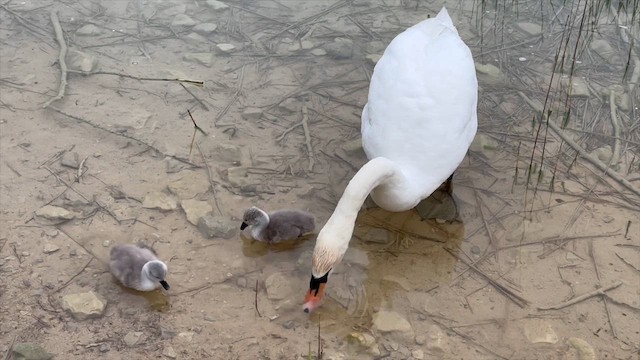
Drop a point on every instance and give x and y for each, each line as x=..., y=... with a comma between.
x=51, y=232
x=340, y=49
x=182, y=20
x=159, y=200
x=418, y=354
x=390, y=321
x=78, y=60
x=169, y=352
x=89, y=30
x=205, y=59
x=585, y=351
x=607, y=219
x=225, y=48
x=530, y=28
x=278, y=286
x=166, y=334
x=483, y=144
x=186, y=336
x=30, y=351
x=579, y=87
x=241, y=282
x=226, y=152
x=353, y=147
x=363, y=339
x=55, y=213
x=189, y=185
x=213, y=227
x=173, y=165
x=195, y=209
x=290, y=105
x=421, y=339
x=306, y=44
x=357, y=257
x=252, y=113
x=475, y=250
x=217, y=5
x=537, y=331
x=490, y=73
x=73, y=252
x=132, y=338
x=435, y=342
x=373, y=59
x=205, y=28
x=49, y=248
x=195, y=39
x=104, y=347
x=237, y=176
x=174, y=10
x=106, y=243
x=604, y=153
x=318, y=52
x=83, y=306
x=289, y=324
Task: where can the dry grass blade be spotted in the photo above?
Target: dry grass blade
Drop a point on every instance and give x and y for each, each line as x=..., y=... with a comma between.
x=582, y=297
x=61, y=59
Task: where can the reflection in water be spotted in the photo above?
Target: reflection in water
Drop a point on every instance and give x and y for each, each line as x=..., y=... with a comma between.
x=157, y=299
x=252, y=248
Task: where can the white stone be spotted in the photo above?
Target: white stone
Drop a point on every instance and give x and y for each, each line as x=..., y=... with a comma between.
x=225, y=48
x=159, y=200
x=217, y=5
x=390, y=321
x=83, y=306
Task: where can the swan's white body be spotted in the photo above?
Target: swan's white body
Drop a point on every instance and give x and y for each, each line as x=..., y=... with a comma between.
x=416, y=128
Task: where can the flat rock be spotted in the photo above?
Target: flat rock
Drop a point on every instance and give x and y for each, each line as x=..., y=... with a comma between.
x=159, y=200
x=70, y=159
x=81, y=61
x=195, y=38
x=226, y=152
x=484, y=144
x=490, y=73
x=602, y=48
x=417, y=354
x=584, y=349
x=372, y=59
x=182, y=20
x=30, y=351
x=195, y=209
x=83, y=306
x=217, y=5
x=340, y=49
x=290, y=105
x=319, y=52
x=278, y=286
x=215, y=227
x=439, y=205
x=604, y=153
x=353, y=147
x=55, y=213
x=530, y=28
x=50, y=248
x=436, y=340
x=205, y=28
x=225, y=48
x=579, y=87
x=132, y=338
x=357, y=257
x=175, y=10
x=538, y=331
x=189, y=185
x=205, y=59
x=252, y=113
x=89, y=30
x=169, y=352
x=390, y=321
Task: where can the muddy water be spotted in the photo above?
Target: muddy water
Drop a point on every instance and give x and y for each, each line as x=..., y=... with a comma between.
x=537, y=225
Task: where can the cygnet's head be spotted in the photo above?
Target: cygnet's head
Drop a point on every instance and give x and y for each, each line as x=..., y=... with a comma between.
x=156, y=270
x=253, y=216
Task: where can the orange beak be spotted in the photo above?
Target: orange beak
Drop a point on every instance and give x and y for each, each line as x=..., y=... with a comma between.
x=313, y=299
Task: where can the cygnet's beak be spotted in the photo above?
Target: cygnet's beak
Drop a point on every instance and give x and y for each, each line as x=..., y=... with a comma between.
x=165, y=284
x=244, y=225
x=313, y=299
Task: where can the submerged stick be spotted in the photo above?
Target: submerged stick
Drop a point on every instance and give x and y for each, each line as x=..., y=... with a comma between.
x=615, y=157
x=307, y=137
x=61, y=59
x=582, y=297
x=194, y=82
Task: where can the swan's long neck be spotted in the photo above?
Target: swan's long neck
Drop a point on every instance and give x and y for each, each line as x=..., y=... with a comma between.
x=257, y=230
x=335, y=235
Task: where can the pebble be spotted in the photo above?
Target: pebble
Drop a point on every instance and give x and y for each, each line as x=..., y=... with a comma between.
x=226, y=152
x=289, y=324
x=195, y=209
x=205, y=28
x=132, y=338
x=604, y=153
x=159, y=200
x=421, y=339
x=182, y=20
x=363, y=339
x=55, y=213
x=475, y=250
x=318, y=52
x=490, y=73
x=390, y=321
x=84, y=306
x=538, y=331
x=81, y=61
x=357, y=257
x=252, y=113
x=290, y=105
x=104, y=347
x=418, y=354
x=175, y=10
x=340, y=49
x=373, y=59
x=169, y=352
x=278, y=286
x=49, y=248
x=189, y=185
x=241, y=282
x=436, y=340
x=213, y=227
x=353, y=147
x=89, y=30
x=70, y=159
x=484, y=144
x=186, y=336
x=530, y=28
x=225, y=48
x=205, y=59
x=584, y=349
x=217, y=5
x=30, y=351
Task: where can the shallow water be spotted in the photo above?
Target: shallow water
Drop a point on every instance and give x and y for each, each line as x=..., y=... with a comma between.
x=537, y=225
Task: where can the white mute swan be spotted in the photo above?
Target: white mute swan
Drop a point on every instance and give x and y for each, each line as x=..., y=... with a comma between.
x=416, y=128
x=137, y=267
x=287, y=224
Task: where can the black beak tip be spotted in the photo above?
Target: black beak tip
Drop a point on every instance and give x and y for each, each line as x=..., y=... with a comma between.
x=243, y=226
x=165, y=285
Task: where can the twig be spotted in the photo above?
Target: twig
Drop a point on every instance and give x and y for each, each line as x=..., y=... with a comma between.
x=604, y=299
x=183, y=160
x=583, y=297
x=74, y=276
x=615, y=157
x=61, y=59
x=195, y=97
x=66, y=184
x=517, y=299
x=307, y=136
x=467, y=337
x=634, y=267
x=194, y=82
x=595, y=161
x=198, y=128
x=233, y=100
x=12, y=169
x=77, y=243
x=80, y=172
x=284, y=133
x=209, y=175
x=256, y=300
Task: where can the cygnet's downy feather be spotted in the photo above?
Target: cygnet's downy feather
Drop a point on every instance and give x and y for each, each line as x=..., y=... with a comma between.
x=279, y=225
x=137, y=267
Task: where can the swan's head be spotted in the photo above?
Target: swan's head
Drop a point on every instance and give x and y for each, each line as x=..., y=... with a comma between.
x=326, y=256
x=253, y=216
x=156, y=270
